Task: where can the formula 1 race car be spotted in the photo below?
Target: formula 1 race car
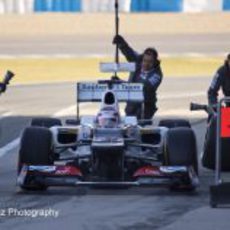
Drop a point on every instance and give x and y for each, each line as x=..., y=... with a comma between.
x=107, y=150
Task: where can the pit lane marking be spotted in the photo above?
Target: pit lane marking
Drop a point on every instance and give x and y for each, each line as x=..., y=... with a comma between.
x=10, y=146
x=182, y=95
x=6, y=114
x=15, y=143
x=67, y=111
x=181, y=113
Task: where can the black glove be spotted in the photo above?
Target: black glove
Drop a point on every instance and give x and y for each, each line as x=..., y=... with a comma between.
x=119, y=40
x=9, y=75
x=116, y=79
x=2, y=87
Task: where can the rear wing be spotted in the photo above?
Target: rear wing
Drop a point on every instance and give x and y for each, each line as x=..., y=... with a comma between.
x=117, y=67
x=93, y=92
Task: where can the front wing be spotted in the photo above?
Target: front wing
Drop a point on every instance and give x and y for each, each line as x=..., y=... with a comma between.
x=149, y=176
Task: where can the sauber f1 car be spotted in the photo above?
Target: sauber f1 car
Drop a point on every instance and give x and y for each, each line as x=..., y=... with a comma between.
x=106, y=149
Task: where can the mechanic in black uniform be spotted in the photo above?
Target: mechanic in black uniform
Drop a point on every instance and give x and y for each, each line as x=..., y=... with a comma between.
x=148, y=71
x=220, y=80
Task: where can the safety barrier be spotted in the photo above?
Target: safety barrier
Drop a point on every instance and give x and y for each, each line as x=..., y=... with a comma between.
x=156, y=5
x=57, y=5
x=226, y=5
x=30, y=6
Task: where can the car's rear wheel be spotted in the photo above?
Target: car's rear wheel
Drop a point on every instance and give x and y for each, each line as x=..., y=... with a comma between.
x=35, y=149
x=47, y=122
x=173, y=123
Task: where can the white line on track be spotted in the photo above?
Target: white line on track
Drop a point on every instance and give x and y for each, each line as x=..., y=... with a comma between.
x=10, y=146
x=6, y=114
x=64, y=112
x=14, y=144
x=182, y=95
x=181, y=113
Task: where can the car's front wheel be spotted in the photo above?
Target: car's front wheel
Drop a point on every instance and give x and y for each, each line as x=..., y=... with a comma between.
x=35, y=149
x=181, y=148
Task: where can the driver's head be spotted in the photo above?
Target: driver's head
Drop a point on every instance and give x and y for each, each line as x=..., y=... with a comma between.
x=150, y=59
x=107, y=119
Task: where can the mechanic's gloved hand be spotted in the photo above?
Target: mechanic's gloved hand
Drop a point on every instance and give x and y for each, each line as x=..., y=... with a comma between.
x=115, y=78
x=2, y=87
x=9, y=75
x=119, y=40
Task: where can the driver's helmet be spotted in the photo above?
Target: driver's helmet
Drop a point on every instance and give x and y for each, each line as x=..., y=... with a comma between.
x=108, y=119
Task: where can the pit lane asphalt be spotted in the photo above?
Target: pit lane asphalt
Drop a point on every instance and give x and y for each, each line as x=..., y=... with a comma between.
x=79, y=208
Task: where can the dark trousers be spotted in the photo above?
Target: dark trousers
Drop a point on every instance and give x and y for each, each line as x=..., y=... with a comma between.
x=135, y=109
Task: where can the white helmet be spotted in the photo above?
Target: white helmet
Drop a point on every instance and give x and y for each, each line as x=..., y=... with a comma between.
x=108, y=119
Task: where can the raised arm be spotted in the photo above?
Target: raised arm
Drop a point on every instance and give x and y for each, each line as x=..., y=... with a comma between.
x=130, y=54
